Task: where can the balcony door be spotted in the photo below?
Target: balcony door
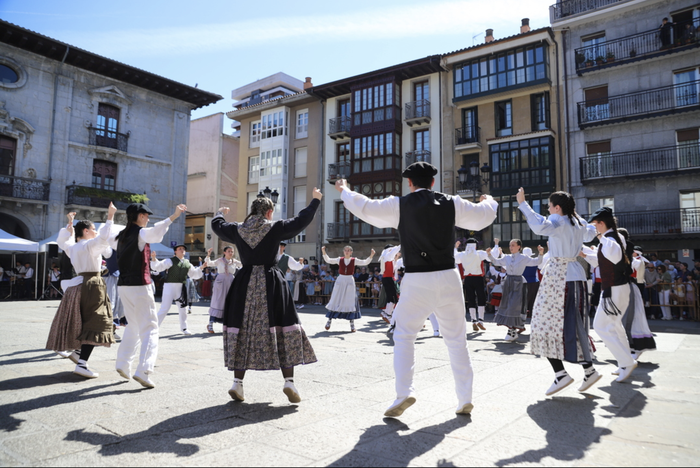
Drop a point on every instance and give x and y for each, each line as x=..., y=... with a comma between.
x=688, y=148
x=421, y=92
x=107, y=125
x=8, y=147
x=104, y=175
x=686, y=88
x=597, y=104
x=469, y=126
x=421, y=143
x=690, y=212
x=344, y=108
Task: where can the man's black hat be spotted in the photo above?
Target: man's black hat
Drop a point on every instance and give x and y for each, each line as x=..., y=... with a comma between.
x=420, y=169
x=180, y=245
x=602, y=214
x=136, y=208
x=283, y=244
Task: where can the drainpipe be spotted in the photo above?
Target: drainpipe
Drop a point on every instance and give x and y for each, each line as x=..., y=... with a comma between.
x=319, y=229
x=569, y=156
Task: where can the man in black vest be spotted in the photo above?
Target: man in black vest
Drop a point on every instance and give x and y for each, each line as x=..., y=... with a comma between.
x=426, y=222
x=135, y=291
x=286, y=262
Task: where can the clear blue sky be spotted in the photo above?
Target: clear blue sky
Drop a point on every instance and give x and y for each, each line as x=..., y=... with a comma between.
x=222, y=45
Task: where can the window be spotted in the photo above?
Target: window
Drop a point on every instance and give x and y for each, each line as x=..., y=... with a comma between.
x=688, y=148
x=421, y=141
x=253, y=169
x=300, y=162
x=255, y=134
x=594, y=204
x=274, y=125
x=597, y=106
x=344, y=108
x=342, y=153
x=539, y=108
x=421, y=91
x=8, y=147
x=470, y=127
x=271, y=162
x=504, y=118
x=686, y=88
x=194, y=235
x=299, y=199
x=8, y=75
x=690, y=212
x=524, y=163
x=250, y=196
x=375, y=190
x=107, y=125
x=376, y=153
x=375, y=103
x=599, y=162
x=104, y=174
x=303, y=123
x=510, y=68
x=594, y=47
x=511, y=224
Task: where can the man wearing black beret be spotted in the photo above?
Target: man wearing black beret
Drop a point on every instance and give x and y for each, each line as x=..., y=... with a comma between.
x=426, y=223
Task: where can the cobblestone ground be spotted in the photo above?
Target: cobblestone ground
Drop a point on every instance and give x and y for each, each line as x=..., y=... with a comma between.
x=50, y=417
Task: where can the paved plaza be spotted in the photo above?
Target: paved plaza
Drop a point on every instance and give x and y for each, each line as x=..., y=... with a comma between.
x=50, y=417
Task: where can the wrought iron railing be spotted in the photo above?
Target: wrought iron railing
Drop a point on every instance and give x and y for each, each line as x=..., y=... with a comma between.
x=337, y=231
x=341, y=124
x=659, y=100
x=360, y=229
x=339, y=170
x=466, y=135
x=632, y=47
x=650, y=161
x=21, y=187
x=98, y=198
x=418, y=110
x=416, y=156
x=660, y=222
x=107, y=139
x=566, y=8
x=523, y=178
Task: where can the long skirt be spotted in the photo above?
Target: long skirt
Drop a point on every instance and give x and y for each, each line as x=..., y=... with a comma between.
x=392, y=294
x=513, y=303
x=263, y=335
x=192, y=295
x=560, y=321
x=206, y=288
x=344, y=303
x=635, y=322
x=222, y=283
x=83, y=317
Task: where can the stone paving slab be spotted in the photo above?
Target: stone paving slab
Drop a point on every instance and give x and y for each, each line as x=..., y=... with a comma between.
x=50, y=417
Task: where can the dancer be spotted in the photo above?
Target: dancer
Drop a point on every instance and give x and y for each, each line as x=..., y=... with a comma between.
x=226, y=267
x=136, y=292
x=560, y=321
x=426, y=221
x=514, y=297
x=287, y=262
x=472, y=261
x=615, y=272
x=262, y=330
x=344, y=303
x=386, y=265
x=84, y=317
x=175, y=286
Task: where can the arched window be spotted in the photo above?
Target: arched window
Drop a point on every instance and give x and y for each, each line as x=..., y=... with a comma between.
x=104, y=174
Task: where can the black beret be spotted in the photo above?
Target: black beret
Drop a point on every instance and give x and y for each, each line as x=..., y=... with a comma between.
x=180, y=245
x=602, y=214
x=283, y=243
x=420, y=169
x=137, y=208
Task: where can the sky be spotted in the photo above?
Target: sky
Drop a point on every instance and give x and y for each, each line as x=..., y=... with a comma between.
x=223, y=45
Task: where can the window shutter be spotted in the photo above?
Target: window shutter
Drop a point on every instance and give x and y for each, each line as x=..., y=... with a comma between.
x=547, y=120
x=689, y=134
x=533, y=112
x=598, y=147
x=595, y=96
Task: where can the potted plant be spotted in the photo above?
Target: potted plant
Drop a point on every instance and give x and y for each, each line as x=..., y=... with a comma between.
x=589, y=62
x=580, y=59
x=609, y=57
x=599, y=60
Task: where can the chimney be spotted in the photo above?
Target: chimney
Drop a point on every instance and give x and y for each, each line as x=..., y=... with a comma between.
x=308, y=84
x=489, y=35
x=525, y=26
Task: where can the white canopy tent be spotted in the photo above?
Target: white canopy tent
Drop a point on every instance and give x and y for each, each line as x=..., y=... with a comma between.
x=13, y=245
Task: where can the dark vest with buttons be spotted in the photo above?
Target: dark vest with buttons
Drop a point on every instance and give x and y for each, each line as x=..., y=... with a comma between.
x=427, y=231
x=613, y=274
x=283, y=263
x=134, y=264
x=178, y=272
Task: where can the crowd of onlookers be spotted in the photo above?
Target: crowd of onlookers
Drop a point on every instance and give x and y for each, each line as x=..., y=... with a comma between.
x=671, y=289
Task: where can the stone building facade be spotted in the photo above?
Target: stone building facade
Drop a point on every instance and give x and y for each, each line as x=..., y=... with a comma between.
x=78, y=130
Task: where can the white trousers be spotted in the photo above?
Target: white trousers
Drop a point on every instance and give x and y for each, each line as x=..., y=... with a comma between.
x=140, y=312
x=434, y=322
x=610, y=329
x=664, y=300
x=472, y=313
x=171, y=292
x=422, y=294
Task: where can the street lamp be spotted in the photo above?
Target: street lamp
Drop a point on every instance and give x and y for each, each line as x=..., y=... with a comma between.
x=470, y=179
x=271, y=194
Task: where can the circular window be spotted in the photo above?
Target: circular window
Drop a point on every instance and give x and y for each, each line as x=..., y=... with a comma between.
x=8, y=75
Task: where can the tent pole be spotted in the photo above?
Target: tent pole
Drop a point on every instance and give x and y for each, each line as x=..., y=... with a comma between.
x=36, y=272
x=43, y=281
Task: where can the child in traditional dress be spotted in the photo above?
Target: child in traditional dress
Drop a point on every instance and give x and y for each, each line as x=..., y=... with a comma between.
x=226, y=267
x=472, y=262
x=344, y=303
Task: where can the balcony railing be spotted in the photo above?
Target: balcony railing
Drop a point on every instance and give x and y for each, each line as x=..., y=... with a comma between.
x=659, y=101
x=21, y=187
x=107, y=139
x=338, y=231
x=679, y=221
x=647, y=44
x=563, y=9
x=99, y=198
x=416, y=156
x=339, y=170
x=467, y=135
x=651, y=161
x=360, y=229
x=339, y=127
x=417, y=112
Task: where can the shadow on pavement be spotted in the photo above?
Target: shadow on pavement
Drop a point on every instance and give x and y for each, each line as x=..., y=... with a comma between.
x=570, y=429
x=32, y=381
x=10, y=423
x=45, y=356
x=167, y=436
x=400, y=449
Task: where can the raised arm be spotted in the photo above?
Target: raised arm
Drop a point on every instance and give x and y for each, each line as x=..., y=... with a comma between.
x=475, y=216
x=379, y=213
x=293, y=226
x=366, y=261
x=161, y=265
x=294, y=265
x=327, y=259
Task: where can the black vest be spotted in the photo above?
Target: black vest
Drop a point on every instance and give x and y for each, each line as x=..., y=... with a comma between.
x=427, y=231
x=283, y=263
x=134, y=265
x=613, y=274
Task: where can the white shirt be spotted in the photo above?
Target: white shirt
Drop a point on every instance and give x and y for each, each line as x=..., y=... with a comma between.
x=515, y=264
x=162, y=265
x=472, y=261
x=291, y=263
x=639, y=266
x=147, y=235
x=388, y=255
x=608, y=247
x=346, y=261
x=85, y=255
x=29, y=273
x=224, y=266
